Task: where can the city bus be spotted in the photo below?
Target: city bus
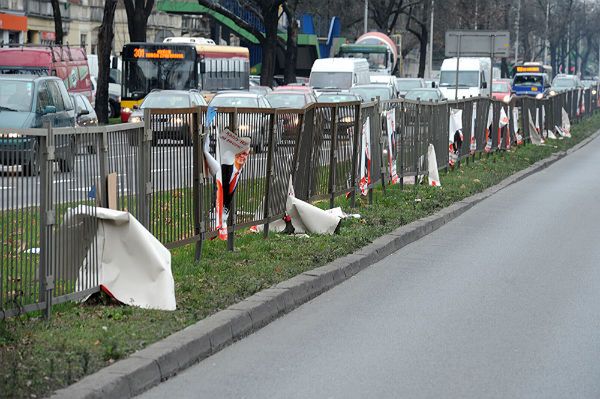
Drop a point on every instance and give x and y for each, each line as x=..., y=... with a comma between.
x=180, y=66
x=531, y=79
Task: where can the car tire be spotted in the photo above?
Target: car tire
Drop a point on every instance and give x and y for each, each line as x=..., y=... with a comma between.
x=32, y=167
x=66, y=164
x=112, y=109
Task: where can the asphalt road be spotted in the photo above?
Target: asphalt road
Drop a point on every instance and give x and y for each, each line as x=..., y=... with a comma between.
x=503, y=302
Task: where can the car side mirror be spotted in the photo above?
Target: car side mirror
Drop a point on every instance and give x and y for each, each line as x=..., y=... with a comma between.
x=136, y=106
x=83, y=112
x=49, y=109
x=433, y=85
x=484, y=85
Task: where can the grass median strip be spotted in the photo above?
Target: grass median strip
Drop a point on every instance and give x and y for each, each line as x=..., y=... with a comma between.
x=37, y=357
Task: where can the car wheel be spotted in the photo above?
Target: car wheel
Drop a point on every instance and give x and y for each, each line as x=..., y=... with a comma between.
x=32, y=167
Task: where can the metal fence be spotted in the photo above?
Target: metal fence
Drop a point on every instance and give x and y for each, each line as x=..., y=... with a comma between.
x=156, y=171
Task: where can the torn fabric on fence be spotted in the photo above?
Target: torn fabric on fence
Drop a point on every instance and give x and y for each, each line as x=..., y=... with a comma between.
x=455, y=135
x=515, y=121
x=503, y=122
x=534, y=134
x=230, y=157
x=488, y=130
x=473, y=143
x=432, y=167
x=365, y=158
x=134, y=267
x=391, y=152
x=566, y=124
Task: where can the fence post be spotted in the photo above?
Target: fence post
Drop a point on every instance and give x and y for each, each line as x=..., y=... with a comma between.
x=197, y=185
x=400, y=151
x=417, y=141
x=233, y=124
x=269, y=175
x=382, y=143
x=332, y=155
x=355, y=150
x=144, y=188
x=102, y=192
x=47, y=216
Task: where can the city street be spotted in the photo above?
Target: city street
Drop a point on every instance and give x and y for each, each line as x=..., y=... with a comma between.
x=502, y=302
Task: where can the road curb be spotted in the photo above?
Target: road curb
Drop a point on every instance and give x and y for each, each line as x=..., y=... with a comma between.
x=164, y=359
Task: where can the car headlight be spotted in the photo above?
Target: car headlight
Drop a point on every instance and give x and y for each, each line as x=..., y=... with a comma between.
x=539, y=96
x=178, y=121
x=11, y=135
x=347, y=119
x=506, y=99
x=244, y=128
x=594, y=92
x=126, y=110
x=135, y=119
x=552, y=93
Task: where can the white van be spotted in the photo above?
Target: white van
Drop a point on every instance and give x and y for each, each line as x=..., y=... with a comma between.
x=473, y=77
x=339, y=73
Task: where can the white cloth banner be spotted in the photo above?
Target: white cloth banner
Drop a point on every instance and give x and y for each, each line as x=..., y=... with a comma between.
x=533, y=131
x=391, y=153
x=473, y=142
x=365, y=158
x=566, y=123
x=434, y=175
x=134, y=267
x=488, y=129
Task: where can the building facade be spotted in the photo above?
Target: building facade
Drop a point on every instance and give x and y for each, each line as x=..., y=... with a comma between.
x=32, y=22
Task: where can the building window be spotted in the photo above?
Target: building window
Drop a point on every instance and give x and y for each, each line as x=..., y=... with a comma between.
x=83, y=41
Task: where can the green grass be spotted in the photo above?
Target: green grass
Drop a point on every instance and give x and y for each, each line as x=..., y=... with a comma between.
x=113, y=121
x=37, y=357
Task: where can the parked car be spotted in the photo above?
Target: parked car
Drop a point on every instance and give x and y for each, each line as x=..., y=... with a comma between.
x=501, y=90
x=424, y=95
x=290, y=98
x=255, y=127
x=27, y=102
x=403, y=85
x=262, y=90
x=85, y=116
x=168, y=127
x=337, y=97
x=563, y=82
x=374, y=90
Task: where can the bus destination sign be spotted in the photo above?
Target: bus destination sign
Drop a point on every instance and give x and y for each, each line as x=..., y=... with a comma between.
x=158, y=53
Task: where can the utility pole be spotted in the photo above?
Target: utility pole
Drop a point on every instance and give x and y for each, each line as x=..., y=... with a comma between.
x=546, y=34
x=431, y=40
x=476, y=13
x=569, y=48
x=366, y=16
x=517, y=31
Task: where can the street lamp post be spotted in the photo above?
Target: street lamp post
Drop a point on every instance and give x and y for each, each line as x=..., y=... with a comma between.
x=366, y=16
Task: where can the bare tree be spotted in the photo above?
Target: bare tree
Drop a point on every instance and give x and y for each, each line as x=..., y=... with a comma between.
x=385, y=13
x=58, y=30
x=266, y=11
x=419, y=15
x=291, y=48
x=105, y=39
x=138, y=12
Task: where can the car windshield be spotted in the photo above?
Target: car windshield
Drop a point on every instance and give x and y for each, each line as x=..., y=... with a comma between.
x=287, y=100
x=231, y=101
x=563, y=82
x=528, y=80
x=369, y=93
x=465, y=79
x=500, y=87
x=15, y=96
x=166, y=100
x=337, y=80
x=336, y=98
x=423, y=95
x=407, y=84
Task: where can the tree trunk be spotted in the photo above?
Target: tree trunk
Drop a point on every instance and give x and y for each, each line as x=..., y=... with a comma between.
x=422, y=52
x=105, y=38
x=269, y=45
x=58, y=30
x=138, y=12
x=291, y=50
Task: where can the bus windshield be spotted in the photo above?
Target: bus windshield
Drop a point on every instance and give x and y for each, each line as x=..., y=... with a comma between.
x=144, y=75
x=528, y=80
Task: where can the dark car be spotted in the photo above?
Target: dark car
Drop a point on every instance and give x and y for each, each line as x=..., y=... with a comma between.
x=85, y=116
x=172, y=127
x=403, y=85
x=28, y=102
x=374, y=90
